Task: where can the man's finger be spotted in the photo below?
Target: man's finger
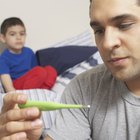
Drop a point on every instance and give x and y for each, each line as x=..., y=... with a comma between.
x=10, y=99
x=20, y=114
x=16, y=127
x=17, y=136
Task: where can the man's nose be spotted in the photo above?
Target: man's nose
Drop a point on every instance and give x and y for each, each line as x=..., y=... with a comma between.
x=111, y=39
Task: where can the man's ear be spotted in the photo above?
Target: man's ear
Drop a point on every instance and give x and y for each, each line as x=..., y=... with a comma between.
x=2, y=38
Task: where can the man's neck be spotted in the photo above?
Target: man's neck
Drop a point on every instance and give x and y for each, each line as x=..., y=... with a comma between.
x=134, y=86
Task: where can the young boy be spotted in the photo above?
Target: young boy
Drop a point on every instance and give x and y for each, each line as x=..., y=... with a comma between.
x=18, y=66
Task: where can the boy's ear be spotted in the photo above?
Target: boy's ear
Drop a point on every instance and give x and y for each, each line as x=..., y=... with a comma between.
x=2, y=38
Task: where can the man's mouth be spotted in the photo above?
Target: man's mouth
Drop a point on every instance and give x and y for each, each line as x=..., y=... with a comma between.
x=117, y=61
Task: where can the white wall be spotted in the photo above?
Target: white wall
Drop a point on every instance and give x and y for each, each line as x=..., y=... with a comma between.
x=48, y=21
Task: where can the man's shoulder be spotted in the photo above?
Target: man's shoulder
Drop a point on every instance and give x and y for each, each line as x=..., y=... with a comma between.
x=96, y=75
x=97, y=70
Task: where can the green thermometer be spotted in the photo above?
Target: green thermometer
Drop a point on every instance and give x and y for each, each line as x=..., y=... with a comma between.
x=48, y=106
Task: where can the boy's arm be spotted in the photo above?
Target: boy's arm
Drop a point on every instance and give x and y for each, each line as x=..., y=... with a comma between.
x=7, y=82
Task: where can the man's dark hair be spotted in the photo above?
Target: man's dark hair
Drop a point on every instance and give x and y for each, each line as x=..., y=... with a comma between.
x=13, y=21
x=138, y=2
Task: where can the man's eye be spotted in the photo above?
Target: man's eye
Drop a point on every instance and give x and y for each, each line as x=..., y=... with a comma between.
x=98, y=31
x=125, y=26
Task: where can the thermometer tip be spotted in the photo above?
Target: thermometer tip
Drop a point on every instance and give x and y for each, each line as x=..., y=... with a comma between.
x=86, y=106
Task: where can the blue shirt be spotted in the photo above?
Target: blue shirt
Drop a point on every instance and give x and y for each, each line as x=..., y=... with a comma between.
x=17, y=64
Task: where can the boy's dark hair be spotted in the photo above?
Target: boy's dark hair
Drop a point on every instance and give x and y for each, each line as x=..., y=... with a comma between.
x=13, y=21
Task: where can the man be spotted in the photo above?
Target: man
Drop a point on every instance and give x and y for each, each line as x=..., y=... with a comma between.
x=112, y=90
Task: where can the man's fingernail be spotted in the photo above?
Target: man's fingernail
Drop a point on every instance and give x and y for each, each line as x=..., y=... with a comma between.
x=36, y=123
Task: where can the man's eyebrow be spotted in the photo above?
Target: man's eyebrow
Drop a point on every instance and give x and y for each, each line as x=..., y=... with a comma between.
x=114, y=19
x=94, y=23
x=121, y=17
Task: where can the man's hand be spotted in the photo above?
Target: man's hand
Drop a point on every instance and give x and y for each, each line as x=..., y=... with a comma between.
x=19, y=124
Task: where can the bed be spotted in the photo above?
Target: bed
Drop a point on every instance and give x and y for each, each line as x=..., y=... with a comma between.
x=80, y=44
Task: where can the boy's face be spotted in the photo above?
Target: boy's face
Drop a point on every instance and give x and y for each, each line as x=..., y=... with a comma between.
x=15, y=38
x=116, y=24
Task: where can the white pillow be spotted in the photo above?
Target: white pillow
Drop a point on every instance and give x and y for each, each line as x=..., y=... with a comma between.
x=85, y=38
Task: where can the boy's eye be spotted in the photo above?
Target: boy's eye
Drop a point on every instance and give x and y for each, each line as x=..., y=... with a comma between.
x=22, y=34
x=12, y=34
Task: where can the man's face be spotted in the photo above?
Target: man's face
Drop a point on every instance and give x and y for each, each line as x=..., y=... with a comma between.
x=116, y=24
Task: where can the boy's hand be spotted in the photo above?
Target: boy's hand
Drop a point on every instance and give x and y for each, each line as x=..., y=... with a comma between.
x=19, y=124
